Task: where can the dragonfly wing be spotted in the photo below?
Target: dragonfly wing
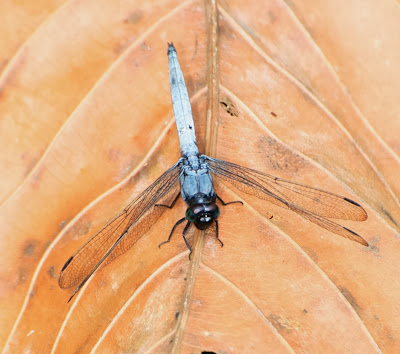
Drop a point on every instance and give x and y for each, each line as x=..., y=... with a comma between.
x=311, y=203
x=119, y=234
x=329, y=225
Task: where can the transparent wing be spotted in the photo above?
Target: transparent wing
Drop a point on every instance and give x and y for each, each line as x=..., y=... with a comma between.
x=119, y=234
x=313, y=204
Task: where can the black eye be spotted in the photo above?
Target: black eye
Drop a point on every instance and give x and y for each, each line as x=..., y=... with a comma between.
x=202, y=215
x=190, y=215
x=214, y=211
x=195, y=211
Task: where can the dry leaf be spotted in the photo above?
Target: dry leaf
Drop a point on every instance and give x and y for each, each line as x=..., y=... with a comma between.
x=306, y=91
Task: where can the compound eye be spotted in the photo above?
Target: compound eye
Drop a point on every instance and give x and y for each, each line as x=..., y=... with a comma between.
x=190, y=215
x=194, y=211
x=212, y=210
x=215, y=212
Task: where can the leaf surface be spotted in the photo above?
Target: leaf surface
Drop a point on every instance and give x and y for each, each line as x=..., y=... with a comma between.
x=306, y=92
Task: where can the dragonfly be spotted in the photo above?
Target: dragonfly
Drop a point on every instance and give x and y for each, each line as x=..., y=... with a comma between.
x=191, y=177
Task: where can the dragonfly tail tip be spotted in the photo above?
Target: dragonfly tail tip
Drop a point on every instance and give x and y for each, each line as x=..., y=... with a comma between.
x=171, y=47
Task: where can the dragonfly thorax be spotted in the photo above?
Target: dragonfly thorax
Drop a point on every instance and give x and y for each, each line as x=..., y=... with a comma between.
x=196, y=180
x=202, y=215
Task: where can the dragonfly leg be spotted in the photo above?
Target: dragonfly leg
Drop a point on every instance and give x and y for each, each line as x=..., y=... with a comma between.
x=184, y=237
x=216, y=231
x=223, y=203
x=169, y=206
x=180, y=221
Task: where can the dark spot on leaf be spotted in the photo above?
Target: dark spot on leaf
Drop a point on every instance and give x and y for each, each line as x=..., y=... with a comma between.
x=350, y=298
x=284, y=324
x=388, y=215
x=81, y=227
x=311, y=253
x=307, y=94
x=36, y=177
x=373, y=248
x=145, y=46
x=278, y=156
x=2, y=66
x=29, y=248
x=30, y=163
x=114, y=154
x=271, y=16
x=134, y=17
x=229, y=107
x=12, y=77
x=51, y=272
x=289, y=3
x=62, y=224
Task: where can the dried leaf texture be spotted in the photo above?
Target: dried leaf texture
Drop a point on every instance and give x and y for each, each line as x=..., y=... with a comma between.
x=306, y=91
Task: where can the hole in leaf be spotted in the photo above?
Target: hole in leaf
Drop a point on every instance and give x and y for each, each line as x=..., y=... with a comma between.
x=229, y=107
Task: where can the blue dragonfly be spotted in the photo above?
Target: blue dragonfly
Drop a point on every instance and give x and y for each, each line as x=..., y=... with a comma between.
x=194, y=172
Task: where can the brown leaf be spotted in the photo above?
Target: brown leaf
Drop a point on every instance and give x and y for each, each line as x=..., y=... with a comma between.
x=306, y=91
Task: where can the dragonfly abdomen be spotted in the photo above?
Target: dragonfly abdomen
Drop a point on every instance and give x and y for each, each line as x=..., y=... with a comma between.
x=181, y=106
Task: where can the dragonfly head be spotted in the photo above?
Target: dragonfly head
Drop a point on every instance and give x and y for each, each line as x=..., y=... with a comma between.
x=202, y=215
